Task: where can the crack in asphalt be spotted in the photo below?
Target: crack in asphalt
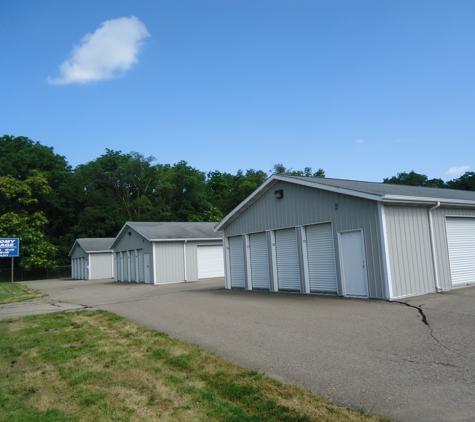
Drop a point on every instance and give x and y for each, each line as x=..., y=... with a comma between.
x=431, y=330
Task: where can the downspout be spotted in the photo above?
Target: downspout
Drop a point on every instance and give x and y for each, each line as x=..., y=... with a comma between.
x=184, y=257
x=434, y=255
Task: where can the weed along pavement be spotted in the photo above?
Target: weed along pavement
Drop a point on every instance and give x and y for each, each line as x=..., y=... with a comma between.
x=412, y=361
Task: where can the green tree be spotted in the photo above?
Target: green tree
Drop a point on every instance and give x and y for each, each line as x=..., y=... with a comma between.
x=115, y=188
x=464, y=182
x=16, y=196
x=182, y=194
x=225, y=191
x=306, y=172
x=21, y=158
x=415, y=179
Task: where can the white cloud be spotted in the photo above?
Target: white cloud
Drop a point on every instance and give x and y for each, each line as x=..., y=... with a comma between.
x=457, y=171
x=360, y=141
x=112, y=49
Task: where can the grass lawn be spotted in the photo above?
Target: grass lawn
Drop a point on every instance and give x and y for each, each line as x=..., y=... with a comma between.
x=97, y=366
x=20, y=293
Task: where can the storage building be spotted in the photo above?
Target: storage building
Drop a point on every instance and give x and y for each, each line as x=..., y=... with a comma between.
x=92, y=259
x=350, y=238
x=168, y=252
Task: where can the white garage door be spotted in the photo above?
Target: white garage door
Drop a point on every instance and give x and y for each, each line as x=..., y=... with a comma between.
x=259, y=261
x=321, y=258
x=236, y=262
x=210, y=261
x=461, y=243
x=288, y=275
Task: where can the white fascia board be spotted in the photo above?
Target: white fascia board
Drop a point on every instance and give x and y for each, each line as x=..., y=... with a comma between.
x=417, y=200
x=289, y=179
x=108, y=250
x=213, y=239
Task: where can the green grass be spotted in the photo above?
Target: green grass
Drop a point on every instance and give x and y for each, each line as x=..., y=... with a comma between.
x=20, y=293
x=90, y=366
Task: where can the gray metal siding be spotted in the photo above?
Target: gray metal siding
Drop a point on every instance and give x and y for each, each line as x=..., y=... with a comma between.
x=170, y=262
x=101, y=265
x=303, y=205
x=409, y=249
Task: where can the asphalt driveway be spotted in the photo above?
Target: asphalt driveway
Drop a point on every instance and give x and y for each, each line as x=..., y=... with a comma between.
x=411, y=363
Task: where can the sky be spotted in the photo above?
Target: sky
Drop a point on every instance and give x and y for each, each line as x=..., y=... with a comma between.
x=362, y=89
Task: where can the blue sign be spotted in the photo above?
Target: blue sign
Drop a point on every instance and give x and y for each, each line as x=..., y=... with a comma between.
x=9, y=247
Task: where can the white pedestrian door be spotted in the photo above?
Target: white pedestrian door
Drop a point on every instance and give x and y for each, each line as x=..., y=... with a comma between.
x=259, y=261
x=461, y=245
x=146, y=262
x=288, y=273
x=210, y=261
x=236, y=262
x=353, y=264
x=321, y=258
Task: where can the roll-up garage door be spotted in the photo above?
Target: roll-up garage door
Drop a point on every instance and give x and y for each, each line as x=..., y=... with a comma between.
x=461, y=243
x=259, y=261
x=288, y=274
x=210, y=261
x=321, y=258
x=236, y=258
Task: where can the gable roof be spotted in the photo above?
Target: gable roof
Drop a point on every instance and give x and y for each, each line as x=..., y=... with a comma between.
x=380, y=192
x=163, y=231
x=93, y=245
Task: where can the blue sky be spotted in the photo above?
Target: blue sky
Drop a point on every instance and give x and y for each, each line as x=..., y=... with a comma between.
x=362, y=89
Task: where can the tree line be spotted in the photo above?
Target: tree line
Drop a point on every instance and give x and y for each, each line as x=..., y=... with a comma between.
x=49, y=204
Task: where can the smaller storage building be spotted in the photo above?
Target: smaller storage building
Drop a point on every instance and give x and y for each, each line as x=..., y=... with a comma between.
x=168, y=252
x=92, y=259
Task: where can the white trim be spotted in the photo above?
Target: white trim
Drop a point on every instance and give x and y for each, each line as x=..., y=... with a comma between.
x=184, y=259
x=227, y=267
x=305, y=286
x=433, y=247
x=247, y=262
x=385, y=251
x=274, y=282
x=154, y=280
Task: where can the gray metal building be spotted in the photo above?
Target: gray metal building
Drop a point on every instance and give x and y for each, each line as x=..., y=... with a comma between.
x=350, y=238
x=167, y=252
x=92, y=259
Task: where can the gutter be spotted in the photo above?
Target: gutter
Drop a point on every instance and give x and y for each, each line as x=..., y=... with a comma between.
x=438, y=289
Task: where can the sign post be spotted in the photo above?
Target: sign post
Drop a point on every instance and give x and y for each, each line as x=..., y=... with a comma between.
x=10, y=248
